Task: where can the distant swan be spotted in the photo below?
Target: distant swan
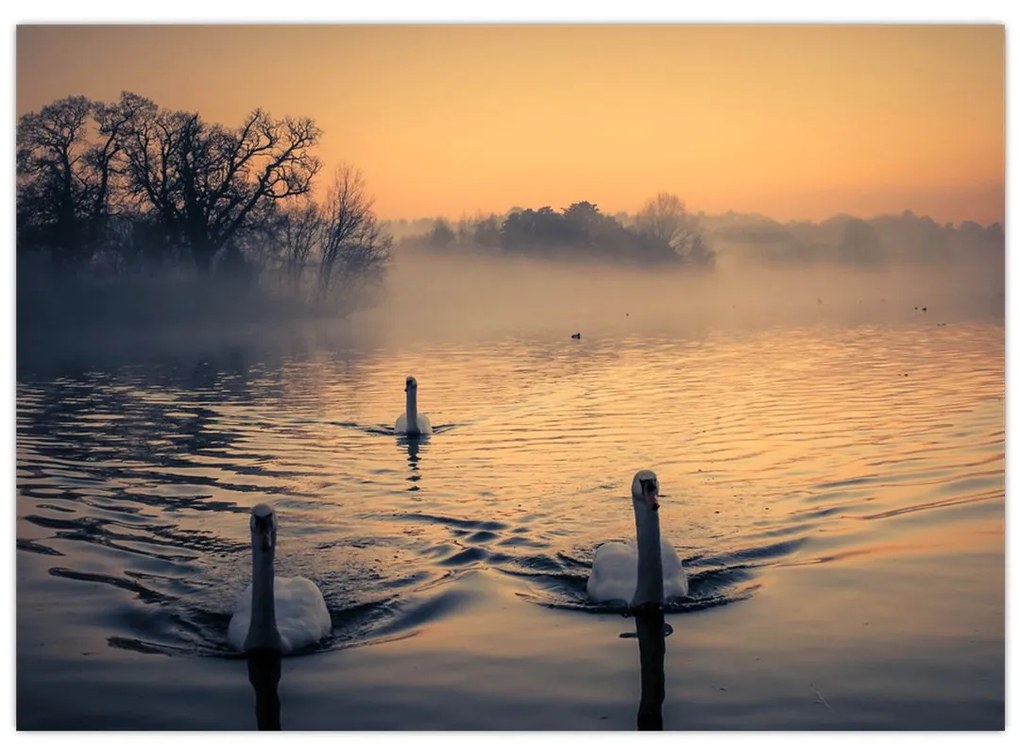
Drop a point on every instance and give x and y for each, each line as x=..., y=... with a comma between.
x=644, y=572
x=410, y=421
x=275, y=614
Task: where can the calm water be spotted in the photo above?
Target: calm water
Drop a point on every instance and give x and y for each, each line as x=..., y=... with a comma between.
x=836, y=492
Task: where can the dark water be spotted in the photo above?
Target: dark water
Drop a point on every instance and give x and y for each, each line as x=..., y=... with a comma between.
x=837, y=494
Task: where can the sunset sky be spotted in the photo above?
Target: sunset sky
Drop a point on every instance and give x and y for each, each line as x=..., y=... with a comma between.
x=795, y=122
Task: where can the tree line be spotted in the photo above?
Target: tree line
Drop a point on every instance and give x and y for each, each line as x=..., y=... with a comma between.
x=107, y=191
x=663, y=232
x=848, y=240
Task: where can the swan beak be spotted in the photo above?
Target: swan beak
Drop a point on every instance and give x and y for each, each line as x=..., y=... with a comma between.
x=263, y=534
x=651, y=493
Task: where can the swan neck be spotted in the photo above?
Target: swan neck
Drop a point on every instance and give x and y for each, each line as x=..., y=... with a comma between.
x=262, y=633
x=412, y=411
x=649, y=549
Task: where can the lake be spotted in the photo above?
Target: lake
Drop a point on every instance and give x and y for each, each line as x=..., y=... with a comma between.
x=835, y=489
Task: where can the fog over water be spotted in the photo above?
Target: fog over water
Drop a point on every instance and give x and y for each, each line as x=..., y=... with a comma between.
x=479, y=294
x=466, y=296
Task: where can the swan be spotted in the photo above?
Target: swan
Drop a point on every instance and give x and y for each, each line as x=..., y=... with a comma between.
x=410, y=422
x=645, y=572
x=275, y=614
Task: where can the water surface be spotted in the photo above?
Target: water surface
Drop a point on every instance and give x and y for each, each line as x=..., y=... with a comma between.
x=836, y=491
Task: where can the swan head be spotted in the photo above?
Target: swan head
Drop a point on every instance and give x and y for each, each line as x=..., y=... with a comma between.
x=645, y=489
x=263, y=527
x=410, y=384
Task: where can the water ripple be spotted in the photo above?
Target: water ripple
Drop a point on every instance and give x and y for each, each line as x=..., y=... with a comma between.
x=784, y=448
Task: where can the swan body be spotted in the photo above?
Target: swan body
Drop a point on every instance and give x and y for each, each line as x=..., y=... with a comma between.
x=614, y=572
x=410, y=422
x=642, y=571
x=277, y=614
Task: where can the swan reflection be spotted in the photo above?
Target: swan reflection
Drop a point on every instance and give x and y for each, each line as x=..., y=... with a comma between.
x=651, y=634
x=413, y=445
x=264, y=675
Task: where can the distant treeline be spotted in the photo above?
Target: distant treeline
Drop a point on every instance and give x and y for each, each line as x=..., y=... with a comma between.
x=662, y=233
x=129, y=193
x=850, y=240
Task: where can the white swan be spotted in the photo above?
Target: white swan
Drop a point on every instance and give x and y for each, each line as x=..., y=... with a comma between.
x=275, y=614
x=410, y=421
x=647, y=571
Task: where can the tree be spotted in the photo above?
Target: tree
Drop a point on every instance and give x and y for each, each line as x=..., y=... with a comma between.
x=298, y=231
x=583, y=219
x=66, y=155
x=485, y=232
x=205, y=183
x=441, y=235
x=132, y=188
x=535, y=230
x=860, y=243
x=353, y=246
x=581, y=230
x=665, y=218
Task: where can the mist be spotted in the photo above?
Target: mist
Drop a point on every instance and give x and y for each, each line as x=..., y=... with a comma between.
x=470, y=295
x=475, y=294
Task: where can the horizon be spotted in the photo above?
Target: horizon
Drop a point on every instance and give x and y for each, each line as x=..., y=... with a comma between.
x=710, y=215
x=796, y=123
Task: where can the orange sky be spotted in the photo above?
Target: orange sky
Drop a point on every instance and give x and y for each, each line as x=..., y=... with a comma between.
x=796, y=122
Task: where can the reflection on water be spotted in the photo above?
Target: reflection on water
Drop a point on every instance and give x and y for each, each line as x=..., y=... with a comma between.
x=412, y=445
x=651, y=635
x=814, y=449
x=264, y=675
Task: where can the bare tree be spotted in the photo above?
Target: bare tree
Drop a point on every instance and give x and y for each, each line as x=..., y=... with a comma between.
x=300, y=229
x=665, y=218
x=65, y=163
x=205, y=182
x=354, y=248
x=115, y=185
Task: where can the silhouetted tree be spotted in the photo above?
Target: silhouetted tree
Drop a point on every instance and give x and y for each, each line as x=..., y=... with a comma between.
x=860, y=243
x=441, y=235
x=485, y=232
x=540, y=230
x=204, y=182
x=583, y=221
x=298, y=231
x=354, y=249
x=665, y=218
x=580, y=230
x=105, y=190
x=65, y=165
